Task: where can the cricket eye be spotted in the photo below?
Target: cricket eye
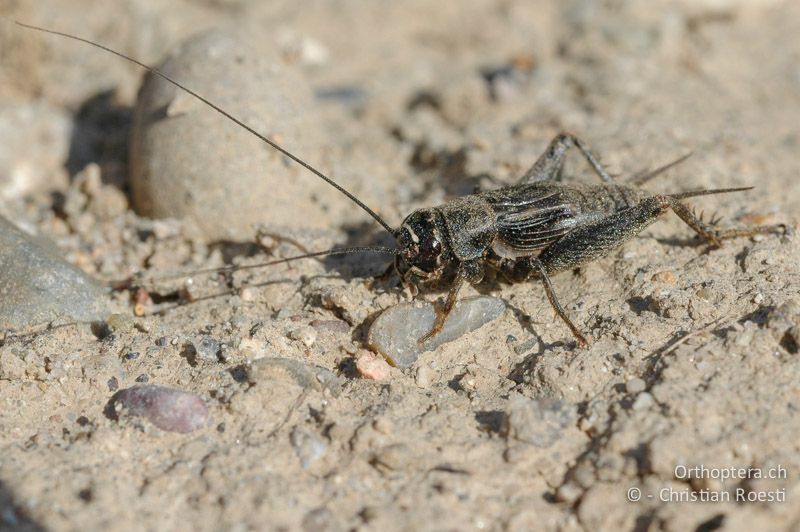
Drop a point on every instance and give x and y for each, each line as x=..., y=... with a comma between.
x=429, y=251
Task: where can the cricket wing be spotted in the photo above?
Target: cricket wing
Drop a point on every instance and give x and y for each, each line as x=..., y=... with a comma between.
x=530, y=218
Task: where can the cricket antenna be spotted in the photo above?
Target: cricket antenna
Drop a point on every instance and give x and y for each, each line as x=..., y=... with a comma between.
x=126, y=283
x=227, y=115
x=645, y=176
x=707, y=192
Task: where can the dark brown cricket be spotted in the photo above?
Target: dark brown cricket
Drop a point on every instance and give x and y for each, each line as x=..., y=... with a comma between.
x=531, y=230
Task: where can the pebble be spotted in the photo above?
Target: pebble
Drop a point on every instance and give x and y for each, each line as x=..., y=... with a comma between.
x=38, y=286
x=791, y=340
x=569, y=492
x=394, y=457
x=538, y=422
x=98, y=369
x=704, y=293
x=666, y=277
x=167, y=408
x=783, y=317
x=744, y=337
x=424, y=376
x=320, y=520
x=35, y=145
x=371, y=367
x=307, y=446
x=306, y=334
x=345, y=303
x=206, y=348
x=120, y=323
x=289, y=370
x=395, y=333
x=335, y=326
x=383, y=425
x=635, y=385
x=643, y=401
x=184, y=156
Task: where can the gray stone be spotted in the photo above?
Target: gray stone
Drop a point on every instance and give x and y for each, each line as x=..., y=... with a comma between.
x=166, y=408
x=320, y=520
x=289, y=370
x=188, y=161
x=538, y=422
x=635, y=385
x=37, y=286
x=395, y=333
x=206, y=348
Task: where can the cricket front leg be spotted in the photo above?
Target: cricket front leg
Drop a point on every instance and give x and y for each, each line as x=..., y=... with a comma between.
x=550, y=163
x=444, y=311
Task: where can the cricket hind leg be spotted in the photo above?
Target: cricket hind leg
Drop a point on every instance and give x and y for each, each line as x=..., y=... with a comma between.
x=551, y=162
x=551, y=297
x=590, y=242
x=710, y=233
x=597, y=239
x=525, y=268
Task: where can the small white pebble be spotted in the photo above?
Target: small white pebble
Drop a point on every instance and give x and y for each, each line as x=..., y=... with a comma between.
x=305, y=334
x=759, y=297
x=568, y=492
x=383, y=425
x=424, y=376
x=396, y=332
x=349, y=348
x=635, y=385
x=643, y=401
x=247, y=293
x=372, y=367
x=252, y=348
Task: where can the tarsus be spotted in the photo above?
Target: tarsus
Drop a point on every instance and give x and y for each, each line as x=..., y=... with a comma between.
x=227, y=115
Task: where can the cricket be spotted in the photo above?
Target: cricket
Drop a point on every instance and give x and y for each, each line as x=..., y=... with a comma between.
x=528, y=231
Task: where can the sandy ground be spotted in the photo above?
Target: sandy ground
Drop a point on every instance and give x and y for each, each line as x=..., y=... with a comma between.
x=695, y=356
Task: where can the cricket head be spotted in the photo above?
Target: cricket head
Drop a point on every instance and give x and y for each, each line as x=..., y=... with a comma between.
x=421, y=246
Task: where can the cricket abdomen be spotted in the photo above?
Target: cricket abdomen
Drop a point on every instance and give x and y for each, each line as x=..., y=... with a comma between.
x=608, y=199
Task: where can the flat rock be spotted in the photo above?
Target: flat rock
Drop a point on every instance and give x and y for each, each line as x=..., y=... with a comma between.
x=538, y=422
x=296, y=371
x=188, y=161
x=167, y=408
x=396, y=332
x=38, y=286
